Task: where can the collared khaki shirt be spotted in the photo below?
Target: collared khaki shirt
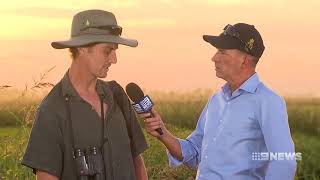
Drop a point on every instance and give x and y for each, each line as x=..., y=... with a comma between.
x=50, y=150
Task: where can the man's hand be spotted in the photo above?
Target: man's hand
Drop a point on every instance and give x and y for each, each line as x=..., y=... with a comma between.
x=153, y=122
x=170, y=141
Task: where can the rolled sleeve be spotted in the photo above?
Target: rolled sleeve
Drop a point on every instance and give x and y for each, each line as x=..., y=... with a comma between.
x=186, y=150
x=191, y=147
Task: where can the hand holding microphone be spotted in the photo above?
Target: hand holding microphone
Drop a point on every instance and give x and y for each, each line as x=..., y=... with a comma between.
x=153, y=123
x=143, y=106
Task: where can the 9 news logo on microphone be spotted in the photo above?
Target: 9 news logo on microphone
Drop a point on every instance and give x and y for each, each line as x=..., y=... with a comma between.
x=141, y=103
x=145, y=105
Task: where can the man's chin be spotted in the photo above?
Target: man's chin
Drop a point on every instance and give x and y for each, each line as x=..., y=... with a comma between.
x=220, y=76
x=102, y=75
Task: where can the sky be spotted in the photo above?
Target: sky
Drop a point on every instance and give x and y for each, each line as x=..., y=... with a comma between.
x=171, y=54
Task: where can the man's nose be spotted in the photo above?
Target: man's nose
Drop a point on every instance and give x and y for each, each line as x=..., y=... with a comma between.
x=113, y=57
x=214, y=58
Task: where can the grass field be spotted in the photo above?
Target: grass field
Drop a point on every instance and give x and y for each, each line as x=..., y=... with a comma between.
x=180, y=114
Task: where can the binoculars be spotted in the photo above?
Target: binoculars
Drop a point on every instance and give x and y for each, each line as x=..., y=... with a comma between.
x=89, y=164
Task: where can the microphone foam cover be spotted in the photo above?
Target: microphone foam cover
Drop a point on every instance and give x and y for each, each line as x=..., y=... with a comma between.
x=134, y=92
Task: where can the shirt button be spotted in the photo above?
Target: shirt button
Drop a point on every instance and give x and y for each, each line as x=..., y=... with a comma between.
x=206, y=157
x=220, y=120
x=214, y=139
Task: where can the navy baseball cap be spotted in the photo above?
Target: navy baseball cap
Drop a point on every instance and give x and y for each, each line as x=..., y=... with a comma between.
x=241, y=36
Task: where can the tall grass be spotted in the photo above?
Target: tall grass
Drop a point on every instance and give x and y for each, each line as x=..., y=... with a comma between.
x=12, y=147
x=309, y=146
x=180, y=111
x=18, y=107
x=304, y=115
x=18, y=110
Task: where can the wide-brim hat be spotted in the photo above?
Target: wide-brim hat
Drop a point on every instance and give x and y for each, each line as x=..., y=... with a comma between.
x=94, y=26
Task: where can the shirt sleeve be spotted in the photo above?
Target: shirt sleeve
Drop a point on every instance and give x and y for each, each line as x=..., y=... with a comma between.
x=44, y=150
x=276, y=132
x=138, y=141
x=191, y=146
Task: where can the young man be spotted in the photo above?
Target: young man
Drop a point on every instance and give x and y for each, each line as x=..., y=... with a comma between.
x=85, y=127
x=243, y=120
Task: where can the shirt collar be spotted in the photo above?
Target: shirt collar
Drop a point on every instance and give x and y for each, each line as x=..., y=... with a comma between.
x=102, y=89
x=250, y=85
x=67, y=87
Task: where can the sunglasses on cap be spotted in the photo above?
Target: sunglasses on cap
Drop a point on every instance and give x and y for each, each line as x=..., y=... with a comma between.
x=114, y=30
x=230, y=30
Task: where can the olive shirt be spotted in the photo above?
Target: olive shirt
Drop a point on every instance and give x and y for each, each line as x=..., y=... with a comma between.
x=50, y=148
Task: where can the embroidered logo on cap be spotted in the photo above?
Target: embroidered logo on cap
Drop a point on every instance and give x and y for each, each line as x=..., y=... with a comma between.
x=249, y=45
x=88, y=23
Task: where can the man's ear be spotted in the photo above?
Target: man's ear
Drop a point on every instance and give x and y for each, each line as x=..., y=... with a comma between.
x=246, y=60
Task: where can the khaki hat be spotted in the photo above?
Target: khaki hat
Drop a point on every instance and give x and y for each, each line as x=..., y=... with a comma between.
x=94, y=26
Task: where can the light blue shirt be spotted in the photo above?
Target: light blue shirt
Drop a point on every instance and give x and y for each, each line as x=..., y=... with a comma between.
x=233, y=126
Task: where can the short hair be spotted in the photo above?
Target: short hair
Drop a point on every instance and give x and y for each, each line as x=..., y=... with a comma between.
x=252, y=58
x=255, y=60
x=74, y=51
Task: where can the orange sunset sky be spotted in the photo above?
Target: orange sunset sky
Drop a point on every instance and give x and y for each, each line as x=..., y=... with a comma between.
x=171, y=54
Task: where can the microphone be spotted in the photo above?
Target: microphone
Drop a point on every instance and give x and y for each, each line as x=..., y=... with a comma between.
x=142, y=103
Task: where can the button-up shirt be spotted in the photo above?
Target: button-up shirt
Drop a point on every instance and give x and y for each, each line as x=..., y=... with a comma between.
x=235, y=133
x=50, y=148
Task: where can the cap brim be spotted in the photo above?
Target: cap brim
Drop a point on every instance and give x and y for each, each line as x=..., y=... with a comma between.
x=89, y=39
x=222, y=41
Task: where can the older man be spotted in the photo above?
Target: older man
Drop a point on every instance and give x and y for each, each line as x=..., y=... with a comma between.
x=85, y=128
x=241, y=125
